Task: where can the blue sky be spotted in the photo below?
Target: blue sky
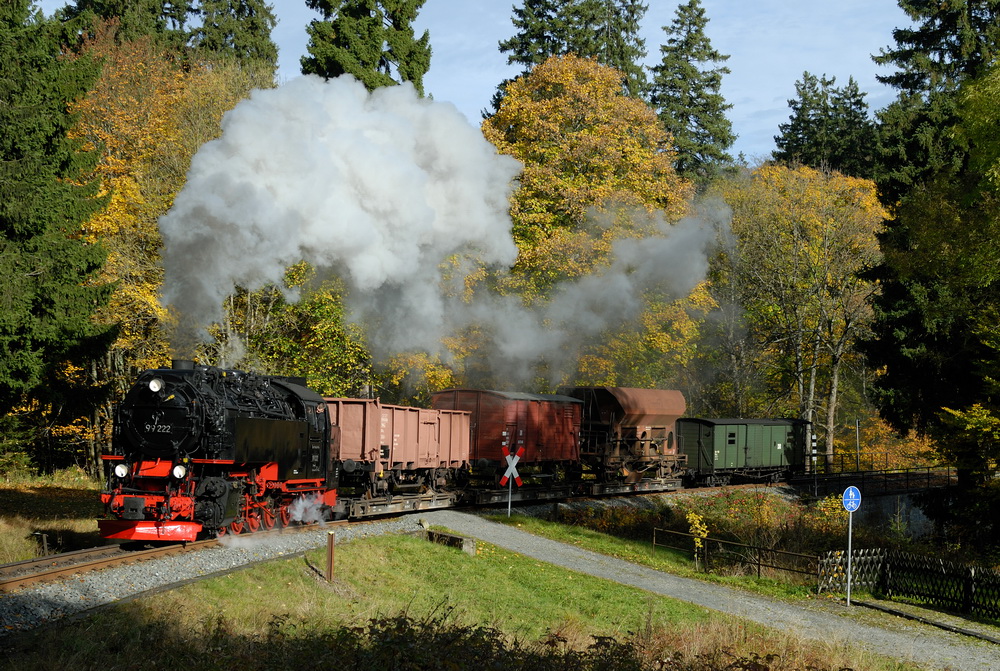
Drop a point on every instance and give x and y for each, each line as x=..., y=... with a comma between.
x=770, y=44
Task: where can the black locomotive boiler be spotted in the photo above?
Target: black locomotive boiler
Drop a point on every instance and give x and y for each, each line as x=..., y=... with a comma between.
x=198, y=450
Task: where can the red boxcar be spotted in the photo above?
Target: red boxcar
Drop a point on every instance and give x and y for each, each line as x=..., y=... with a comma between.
x=547, y=426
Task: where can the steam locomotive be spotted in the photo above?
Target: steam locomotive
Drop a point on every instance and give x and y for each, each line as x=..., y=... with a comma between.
x=199, y=451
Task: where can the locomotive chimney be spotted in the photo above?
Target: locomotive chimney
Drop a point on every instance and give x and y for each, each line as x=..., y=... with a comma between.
x=182, y=364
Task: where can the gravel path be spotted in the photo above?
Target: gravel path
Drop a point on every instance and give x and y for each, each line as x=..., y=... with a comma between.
x=908, y=641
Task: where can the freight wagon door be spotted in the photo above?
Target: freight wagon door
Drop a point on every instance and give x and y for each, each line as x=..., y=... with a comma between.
x=776, y=445
x=429, y=441
x=731, y=452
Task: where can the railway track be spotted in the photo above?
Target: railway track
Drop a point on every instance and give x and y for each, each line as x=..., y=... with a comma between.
x=23, y=574
x=56, y=567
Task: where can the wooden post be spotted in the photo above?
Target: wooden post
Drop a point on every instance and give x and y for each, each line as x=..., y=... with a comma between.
x=331, y=538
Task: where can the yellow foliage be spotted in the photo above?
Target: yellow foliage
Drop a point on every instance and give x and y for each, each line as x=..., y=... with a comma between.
x=698, y=529
x=881, y=448
x=828, y=515
x=598, y=167
x=802, y=239
x=584, y=144
x=149, y=113
x=420, y=373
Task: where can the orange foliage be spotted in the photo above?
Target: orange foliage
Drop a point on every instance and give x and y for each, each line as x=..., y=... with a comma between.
x=882, y=448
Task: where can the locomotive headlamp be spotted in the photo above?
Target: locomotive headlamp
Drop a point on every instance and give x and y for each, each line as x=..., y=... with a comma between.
x=155, y=385
x=179, y=471
x=121, y=470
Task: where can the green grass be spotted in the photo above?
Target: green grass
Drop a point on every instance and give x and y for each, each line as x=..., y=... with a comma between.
x=64, y=507
x=642, y=552
x=282, y=614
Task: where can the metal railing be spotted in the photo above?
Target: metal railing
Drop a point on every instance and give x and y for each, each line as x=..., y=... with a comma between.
x=714, y=552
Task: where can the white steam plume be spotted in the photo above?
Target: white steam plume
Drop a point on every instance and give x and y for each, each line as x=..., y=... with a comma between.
x=381, y=188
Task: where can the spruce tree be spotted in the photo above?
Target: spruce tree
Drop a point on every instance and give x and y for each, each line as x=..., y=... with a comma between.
x=608, y=31
x=372, y=40
x=165, y=20
x=829, y=128
x=605, y=30
x=541, y=33
x=685, y=94
x=238, y=28
x=950, y=43
x=49, y=296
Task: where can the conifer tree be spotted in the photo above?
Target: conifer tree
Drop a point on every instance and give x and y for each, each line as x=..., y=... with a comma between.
x=48, y=271
x=928, y=342
x=238, y=28
x=949, y=43
x=828, y=129
x=165, y=20
x=372, y=40
x=685, y=94
x=605, y=30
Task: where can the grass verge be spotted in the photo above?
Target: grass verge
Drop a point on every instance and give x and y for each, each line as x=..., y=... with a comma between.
x=642, y=552
x=64, y=508
x=393, y=596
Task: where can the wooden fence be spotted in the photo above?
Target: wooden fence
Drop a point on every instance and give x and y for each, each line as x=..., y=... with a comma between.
x=941, y=583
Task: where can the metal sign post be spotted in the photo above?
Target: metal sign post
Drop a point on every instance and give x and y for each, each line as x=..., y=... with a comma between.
x=852, y=501
x=511, y=476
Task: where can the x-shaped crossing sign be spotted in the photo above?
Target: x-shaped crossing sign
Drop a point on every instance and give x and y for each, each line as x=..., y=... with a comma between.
x=511, y=466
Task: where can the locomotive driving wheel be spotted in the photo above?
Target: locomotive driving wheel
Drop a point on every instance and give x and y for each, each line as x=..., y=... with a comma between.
x=251, y=514
x=268, y=514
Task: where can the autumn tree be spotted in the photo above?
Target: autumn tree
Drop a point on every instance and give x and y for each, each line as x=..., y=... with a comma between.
x=595, y=169
x=373, y=40
x=802, y=238
x=310, y=337
x=583, y=144
x=146, y=116
x=605, y=30
x=50, y=271
x=829, y=128
x=685, y=93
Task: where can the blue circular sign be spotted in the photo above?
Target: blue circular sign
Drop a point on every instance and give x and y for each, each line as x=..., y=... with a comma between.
x=852, y=499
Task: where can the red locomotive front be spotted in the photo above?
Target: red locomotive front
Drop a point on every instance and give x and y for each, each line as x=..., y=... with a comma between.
x=201, y=451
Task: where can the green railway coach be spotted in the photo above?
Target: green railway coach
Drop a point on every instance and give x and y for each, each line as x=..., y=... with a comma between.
x=720, y=451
